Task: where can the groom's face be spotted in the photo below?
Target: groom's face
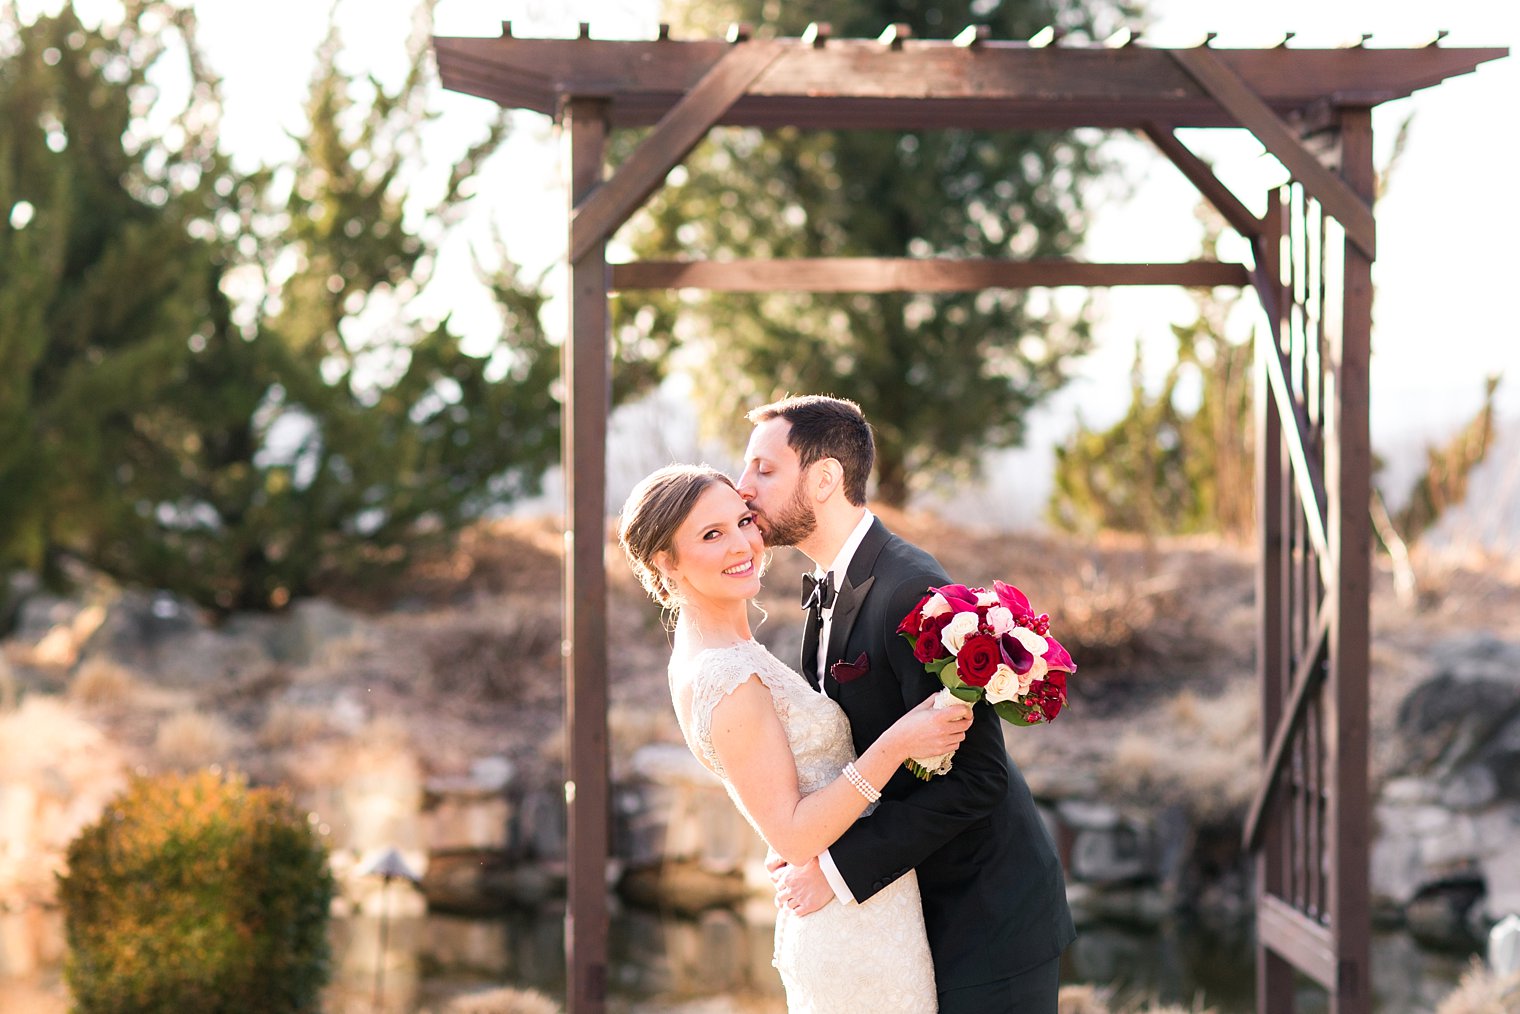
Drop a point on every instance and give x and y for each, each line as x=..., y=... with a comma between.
x=773, y=487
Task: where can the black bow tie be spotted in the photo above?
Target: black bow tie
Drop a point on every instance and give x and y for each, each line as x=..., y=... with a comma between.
x=818, y=593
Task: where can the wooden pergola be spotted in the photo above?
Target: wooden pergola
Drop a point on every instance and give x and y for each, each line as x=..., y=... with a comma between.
x=1312, y=260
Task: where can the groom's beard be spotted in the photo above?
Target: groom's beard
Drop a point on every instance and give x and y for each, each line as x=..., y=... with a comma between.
x=795, y=522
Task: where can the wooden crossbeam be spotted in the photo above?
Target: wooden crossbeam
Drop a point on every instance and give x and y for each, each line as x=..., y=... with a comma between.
x=830, y=83
x=1237, y=98
x=1306, y=677
x=1304, y=942
x=1198, y=172
x=609, y=205
x=1308, y=473
x=908, y=274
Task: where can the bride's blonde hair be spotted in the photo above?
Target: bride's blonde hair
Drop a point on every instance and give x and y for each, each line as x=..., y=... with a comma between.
x=650, y=516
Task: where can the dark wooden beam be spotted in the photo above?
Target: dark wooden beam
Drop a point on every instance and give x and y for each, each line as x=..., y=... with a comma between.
x=1308, y=472
x=1247, y=107
x=894, y=274
x=927, y=84
x=1306, y=680
x=1274, y=974
x=1348, y=463
x=1304, y=942
x=605, y=208
x=1201, y=176
x=587, y=403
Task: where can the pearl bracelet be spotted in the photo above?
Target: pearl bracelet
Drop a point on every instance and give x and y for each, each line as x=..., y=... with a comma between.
x=862, y=786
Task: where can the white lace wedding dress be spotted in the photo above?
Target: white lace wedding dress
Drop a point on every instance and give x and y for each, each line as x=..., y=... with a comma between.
x=842, y=958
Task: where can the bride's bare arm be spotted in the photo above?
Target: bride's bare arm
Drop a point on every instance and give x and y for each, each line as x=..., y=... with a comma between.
x=751, y=744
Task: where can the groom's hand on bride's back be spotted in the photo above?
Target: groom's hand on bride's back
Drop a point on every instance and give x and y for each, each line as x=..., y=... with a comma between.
x=802, y=888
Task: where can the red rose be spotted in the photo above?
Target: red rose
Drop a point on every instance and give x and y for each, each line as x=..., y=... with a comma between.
x=913, y=623
x=978, y=659
x=929, y=646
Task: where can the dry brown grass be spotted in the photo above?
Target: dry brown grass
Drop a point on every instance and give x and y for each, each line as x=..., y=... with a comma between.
x=102, y=683
x=1194, y=751
x=289, y=725
x=188, y=740
x=1483, y=992
x=1089, y=999
x=506, y=1000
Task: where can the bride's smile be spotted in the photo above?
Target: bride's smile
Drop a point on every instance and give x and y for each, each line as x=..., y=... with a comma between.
x=716, y=556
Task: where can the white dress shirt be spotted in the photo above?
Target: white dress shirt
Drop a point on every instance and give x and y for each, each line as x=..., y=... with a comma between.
x=838, y=568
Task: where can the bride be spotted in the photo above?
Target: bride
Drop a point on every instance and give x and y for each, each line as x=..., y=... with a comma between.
x=781, y=748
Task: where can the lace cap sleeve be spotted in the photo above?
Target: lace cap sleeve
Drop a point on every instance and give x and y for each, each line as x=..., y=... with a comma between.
x=717, y=674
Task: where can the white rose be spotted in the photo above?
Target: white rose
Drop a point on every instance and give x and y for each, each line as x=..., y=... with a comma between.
x=1004, y=685
x=960, y=627
x=1000, y=620
x=937, y=605
x=1034, y=643
x=1036, y=672
x=987, y=598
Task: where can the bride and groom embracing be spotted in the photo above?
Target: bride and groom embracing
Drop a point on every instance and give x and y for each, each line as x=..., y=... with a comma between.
x=894, y=894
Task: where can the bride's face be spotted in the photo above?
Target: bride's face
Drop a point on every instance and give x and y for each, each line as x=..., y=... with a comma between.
x=717, y=550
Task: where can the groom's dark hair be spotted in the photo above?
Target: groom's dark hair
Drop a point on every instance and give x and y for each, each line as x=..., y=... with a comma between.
x=826, y=427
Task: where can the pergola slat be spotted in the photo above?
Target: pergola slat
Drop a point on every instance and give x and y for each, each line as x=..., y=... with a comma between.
x=927, y=84
x=1201, y=176
x=902, y=274
x=1304, y=942
x=1307, y=470
x=1306, y=678
x=1246, y=106
x=688, y=121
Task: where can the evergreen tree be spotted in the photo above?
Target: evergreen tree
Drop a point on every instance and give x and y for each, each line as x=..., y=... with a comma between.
x=941, y=376
x=217, y=378
x=1165, y=467
x=1443, y=484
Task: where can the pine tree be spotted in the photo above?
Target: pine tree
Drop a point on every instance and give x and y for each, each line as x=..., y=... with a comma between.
x=941, y=376
x=222, y=388
x=1165, y=467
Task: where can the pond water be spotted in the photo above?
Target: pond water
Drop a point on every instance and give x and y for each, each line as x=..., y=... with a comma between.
x=720, y=961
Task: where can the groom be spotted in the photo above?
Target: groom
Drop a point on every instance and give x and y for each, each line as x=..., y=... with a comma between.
x=993, y=892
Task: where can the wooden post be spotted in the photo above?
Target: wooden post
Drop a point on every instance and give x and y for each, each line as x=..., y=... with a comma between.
x=588, y=400
x=1348, y=461
x=1274, y=499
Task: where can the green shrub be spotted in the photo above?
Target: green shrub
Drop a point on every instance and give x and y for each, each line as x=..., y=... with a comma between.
x=197, y=893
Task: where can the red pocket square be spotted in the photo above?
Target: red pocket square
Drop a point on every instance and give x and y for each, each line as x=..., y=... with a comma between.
x=843, y=672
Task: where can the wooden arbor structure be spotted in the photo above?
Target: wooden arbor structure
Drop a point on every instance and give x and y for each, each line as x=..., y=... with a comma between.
x=1312, y=254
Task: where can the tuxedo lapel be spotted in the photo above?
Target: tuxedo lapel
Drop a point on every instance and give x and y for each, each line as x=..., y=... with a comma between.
x=852, y=592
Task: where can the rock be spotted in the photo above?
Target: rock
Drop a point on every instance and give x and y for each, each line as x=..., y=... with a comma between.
x=301, y=635
x=1439, y=915
x=469, y=811
x=1116, y=855
x=1471, y=788
x=683, y=887
x=484, y=881
x=1409, y=791
x=1498, y=831
x=1446, y=721
x=1087, y=814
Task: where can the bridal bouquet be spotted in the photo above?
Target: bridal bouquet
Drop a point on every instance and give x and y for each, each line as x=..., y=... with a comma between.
x=987, y=644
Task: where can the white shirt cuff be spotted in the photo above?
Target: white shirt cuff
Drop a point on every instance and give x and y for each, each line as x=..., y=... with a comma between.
x=831, y=874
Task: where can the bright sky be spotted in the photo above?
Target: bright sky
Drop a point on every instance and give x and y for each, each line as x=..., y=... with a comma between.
x=1447, y=261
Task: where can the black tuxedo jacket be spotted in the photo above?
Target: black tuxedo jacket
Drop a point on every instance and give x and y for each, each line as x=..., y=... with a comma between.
x=993, y=891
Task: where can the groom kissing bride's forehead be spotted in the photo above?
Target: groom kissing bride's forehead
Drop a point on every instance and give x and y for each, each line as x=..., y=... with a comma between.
x=992, y=888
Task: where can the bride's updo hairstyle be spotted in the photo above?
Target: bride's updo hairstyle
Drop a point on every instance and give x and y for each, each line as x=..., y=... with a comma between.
x=652, y=513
